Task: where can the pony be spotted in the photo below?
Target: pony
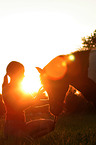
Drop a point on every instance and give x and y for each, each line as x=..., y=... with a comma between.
x=77, y=69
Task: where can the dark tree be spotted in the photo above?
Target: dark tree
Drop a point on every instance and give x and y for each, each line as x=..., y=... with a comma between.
x=89, y=42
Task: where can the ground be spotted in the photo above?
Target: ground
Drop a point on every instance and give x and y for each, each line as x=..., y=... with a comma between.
x=70, y=130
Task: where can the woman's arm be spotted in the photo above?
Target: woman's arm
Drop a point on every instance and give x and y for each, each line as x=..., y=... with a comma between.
x=33, y=100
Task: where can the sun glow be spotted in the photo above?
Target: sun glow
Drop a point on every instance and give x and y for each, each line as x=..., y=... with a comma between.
x=31, y=83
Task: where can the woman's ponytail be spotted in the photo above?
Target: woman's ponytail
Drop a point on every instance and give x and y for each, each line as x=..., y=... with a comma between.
x=5, y=81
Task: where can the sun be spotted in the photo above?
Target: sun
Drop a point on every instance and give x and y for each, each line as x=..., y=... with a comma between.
x=31, y=82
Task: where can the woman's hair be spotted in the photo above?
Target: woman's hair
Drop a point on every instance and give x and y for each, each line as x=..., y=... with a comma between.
x=13, y=68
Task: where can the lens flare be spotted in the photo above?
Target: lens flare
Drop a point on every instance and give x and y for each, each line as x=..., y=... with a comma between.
x=56, y=68
x=71, y=57
x=64, y=64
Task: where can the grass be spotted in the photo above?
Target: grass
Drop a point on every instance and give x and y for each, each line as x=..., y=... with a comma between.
x=70, y=130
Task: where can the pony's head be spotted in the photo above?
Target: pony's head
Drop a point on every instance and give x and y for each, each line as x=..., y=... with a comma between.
x=58, y=74
x=53, y=81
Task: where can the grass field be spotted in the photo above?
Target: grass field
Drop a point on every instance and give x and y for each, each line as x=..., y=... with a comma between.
x=70, y=130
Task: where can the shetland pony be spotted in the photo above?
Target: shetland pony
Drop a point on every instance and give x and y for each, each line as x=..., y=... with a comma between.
x=77, y=69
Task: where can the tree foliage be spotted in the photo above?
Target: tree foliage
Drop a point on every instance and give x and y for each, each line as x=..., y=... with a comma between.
x=90, y=41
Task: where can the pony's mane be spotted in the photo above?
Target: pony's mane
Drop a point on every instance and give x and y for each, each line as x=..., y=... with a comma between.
x=80, y=52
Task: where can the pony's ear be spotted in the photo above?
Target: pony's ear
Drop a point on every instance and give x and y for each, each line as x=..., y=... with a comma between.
x=39, y=70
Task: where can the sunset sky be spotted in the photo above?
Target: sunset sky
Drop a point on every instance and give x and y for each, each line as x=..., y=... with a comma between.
x=35, y=31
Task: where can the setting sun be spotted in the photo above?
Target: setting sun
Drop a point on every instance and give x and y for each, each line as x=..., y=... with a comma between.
x=31, y=82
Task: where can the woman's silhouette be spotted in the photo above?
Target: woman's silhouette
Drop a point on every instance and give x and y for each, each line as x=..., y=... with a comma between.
x=16, y=102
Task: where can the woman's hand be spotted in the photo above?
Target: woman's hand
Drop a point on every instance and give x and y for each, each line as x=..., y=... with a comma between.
x=40, y=93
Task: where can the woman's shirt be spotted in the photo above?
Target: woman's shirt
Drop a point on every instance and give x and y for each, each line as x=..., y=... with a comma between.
x=15, y=102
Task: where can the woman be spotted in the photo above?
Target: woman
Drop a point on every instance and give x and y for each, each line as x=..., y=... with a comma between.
x=16, y=102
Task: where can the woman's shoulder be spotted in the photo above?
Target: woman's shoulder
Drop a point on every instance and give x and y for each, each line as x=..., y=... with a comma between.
x=7, y=89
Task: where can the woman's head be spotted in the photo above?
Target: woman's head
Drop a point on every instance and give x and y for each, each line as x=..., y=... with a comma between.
x=15, y=70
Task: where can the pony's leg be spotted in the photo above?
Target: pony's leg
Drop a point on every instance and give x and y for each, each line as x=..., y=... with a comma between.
x=88, y=88
x=13, y=141
x=40, y=127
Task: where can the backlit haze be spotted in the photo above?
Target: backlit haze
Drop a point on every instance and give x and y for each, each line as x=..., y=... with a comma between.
x=34, y=32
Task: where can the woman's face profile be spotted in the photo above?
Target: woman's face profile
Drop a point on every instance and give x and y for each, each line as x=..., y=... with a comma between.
x=19, y=76
x=15, y=70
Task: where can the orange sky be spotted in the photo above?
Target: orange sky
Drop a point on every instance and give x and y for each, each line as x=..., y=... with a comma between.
x=34, y=32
